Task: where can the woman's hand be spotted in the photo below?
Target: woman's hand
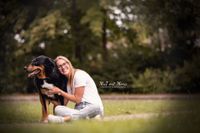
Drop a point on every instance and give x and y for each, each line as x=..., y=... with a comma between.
x=54, y=90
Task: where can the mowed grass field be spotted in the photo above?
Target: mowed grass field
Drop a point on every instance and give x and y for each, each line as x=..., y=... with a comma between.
x=166, y=116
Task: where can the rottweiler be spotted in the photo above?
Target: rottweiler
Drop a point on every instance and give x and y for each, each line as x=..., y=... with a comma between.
x=44, y=72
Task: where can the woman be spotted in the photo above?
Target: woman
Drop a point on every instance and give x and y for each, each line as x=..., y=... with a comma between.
x=81, y=90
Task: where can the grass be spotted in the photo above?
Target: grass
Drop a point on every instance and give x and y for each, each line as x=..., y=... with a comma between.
x=24, y=116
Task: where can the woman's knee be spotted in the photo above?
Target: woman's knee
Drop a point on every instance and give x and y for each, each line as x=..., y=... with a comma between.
x=64, y=111
x=91, y=111
x=58, y=110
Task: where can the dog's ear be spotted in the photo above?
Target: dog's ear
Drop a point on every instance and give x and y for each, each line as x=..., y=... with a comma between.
x=40, y=60
x=49, y=62
x=49, y=65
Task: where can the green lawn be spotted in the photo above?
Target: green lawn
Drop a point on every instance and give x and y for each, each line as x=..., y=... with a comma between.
x=184, y=116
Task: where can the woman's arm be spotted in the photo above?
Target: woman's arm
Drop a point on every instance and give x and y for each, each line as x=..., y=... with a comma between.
x=77, y=97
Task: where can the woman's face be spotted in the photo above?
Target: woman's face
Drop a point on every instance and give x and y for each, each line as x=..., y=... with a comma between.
x=63, y=67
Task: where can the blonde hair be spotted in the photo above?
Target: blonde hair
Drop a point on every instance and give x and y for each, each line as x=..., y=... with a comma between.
x=71, y=72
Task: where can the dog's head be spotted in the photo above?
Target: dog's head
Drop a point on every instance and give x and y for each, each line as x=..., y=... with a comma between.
x=40, y=66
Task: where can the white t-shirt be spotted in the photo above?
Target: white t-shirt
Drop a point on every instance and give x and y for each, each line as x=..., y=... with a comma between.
x=90, y=95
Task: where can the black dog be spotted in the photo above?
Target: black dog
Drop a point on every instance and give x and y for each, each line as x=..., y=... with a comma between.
x=46, y=75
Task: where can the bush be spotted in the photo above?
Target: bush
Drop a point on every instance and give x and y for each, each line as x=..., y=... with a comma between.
x=154, y=81
x=188, y=76
x=183, y=79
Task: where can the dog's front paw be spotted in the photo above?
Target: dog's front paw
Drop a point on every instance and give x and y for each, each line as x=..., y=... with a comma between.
x=44, y=121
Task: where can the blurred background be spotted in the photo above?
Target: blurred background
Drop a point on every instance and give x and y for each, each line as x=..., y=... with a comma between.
x=127, y=46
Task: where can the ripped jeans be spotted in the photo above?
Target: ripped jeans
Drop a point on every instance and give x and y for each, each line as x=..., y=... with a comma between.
x=82, y=110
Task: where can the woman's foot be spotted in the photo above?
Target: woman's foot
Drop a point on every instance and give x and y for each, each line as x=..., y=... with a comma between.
x=55, y=119
x=98, y=117
x=58, y=119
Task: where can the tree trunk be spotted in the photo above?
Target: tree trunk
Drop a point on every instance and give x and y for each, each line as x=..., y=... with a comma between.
x=104, y=35
x=75, y=32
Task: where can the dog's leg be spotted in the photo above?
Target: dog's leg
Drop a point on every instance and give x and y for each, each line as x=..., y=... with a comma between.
x=44, y=104
x=55, y=103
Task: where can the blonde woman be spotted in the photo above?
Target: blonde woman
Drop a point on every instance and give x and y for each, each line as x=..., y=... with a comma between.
x=81, y=90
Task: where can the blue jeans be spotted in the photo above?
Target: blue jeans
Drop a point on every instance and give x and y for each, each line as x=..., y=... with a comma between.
x=82, y=110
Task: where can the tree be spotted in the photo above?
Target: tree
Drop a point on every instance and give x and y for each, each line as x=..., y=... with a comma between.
x=180, y=19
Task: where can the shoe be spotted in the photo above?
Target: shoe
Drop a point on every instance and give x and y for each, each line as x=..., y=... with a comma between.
x=98, y=117
x=55, y=119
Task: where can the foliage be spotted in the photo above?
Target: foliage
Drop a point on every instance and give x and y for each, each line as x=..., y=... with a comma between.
x=154, y=81
x=182, y=79
x=187, y=77
x=181, y=21
x=43, y=30
x=113, y=40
